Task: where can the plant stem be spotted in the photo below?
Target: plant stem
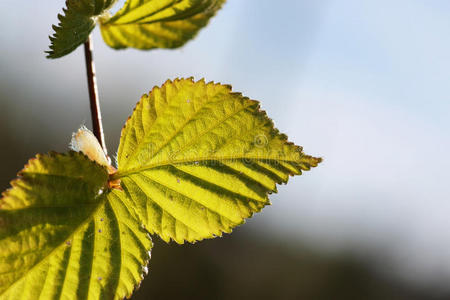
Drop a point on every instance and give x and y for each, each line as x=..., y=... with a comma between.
x=93, y=94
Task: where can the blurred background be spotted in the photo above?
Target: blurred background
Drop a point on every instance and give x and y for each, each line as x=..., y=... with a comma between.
x=364, y=84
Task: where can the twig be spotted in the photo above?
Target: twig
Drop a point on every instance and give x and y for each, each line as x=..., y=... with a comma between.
x=93, y=94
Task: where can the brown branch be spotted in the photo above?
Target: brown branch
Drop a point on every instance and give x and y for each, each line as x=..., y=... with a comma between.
x=93, y=94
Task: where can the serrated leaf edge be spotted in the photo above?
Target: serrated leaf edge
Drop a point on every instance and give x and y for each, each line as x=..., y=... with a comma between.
x=19, y=177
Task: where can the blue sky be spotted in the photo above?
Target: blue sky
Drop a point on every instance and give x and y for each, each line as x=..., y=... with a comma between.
x=365, y=84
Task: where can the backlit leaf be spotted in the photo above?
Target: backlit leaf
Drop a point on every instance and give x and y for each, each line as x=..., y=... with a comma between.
x=147, y=24
x=75, y=25
x=197, y=159
x=64, y=235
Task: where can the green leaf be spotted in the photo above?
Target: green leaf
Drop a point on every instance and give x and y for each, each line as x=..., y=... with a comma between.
x=148, y=24
x=75, y=25
x=63, y=233
x=197, y=159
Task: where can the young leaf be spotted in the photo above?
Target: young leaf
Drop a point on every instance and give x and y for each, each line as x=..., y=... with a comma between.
x=75, y=25
x=147, y=24
x=197, y=159
x=64, y=234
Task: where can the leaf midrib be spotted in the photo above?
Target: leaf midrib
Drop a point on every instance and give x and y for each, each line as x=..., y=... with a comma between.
x=176, y=132
x=186, y=15
x=179, y=130
x=121, y=174
x=128, y=11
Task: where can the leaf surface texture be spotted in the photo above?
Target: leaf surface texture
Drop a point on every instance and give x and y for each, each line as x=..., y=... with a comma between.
x=63, y=234
x=75, y=24
x=197, y=159
x=148, y=24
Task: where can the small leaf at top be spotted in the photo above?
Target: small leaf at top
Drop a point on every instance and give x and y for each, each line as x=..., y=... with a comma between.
x=75, y=25
x=64, y=234
x=197, y=159
x=148, y=24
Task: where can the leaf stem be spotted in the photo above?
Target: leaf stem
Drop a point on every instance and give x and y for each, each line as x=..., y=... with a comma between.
x=93, y=94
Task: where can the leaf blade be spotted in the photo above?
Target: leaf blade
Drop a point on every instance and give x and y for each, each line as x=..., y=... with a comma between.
x=197, y=159
x=78, y=242
x=153, y=24
x=75, y=24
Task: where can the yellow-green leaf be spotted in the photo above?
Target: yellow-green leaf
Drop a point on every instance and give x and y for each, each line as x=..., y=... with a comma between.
x=63, y=234
x=75, y=25
x=197, y=159
x=148, y=24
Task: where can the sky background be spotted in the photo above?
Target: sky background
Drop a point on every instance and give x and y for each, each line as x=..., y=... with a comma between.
x=363, y=84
